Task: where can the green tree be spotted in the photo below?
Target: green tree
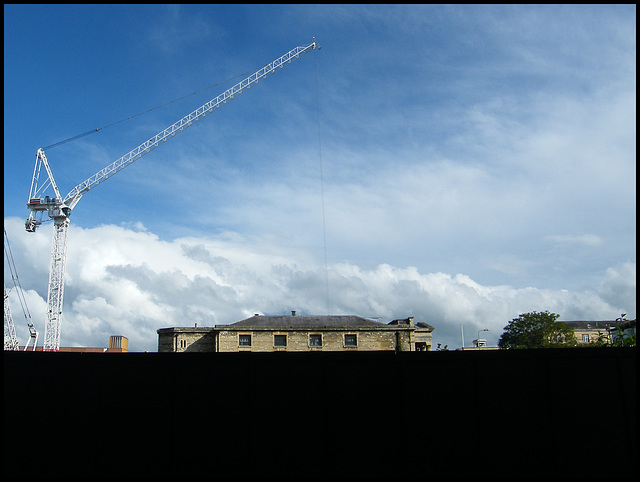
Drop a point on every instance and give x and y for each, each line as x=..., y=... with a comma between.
x=536, y=330
x=622, y=338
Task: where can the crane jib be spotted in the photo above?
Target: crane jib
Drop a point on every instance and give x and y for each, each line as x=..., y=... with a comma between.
x=59, y=209
x=183, y=123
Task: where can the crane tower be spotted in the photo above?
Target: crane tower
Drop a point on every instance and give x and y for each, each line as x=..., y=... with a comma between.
x=10, y=338
x=59, y=208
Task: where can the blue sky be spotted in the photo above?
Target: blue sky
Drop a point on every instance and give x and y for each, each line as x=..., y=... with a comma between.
x=459, y=164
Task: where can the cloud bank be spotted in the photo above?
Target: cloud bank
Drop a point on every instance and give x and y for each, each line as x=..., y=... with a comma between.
x=127, y=281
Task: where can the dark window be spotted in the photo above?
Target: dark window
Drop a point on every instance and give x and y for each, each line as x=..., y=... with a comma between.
x=244, y=340
x=280, y=340
x=315, y=340
x=350, y=340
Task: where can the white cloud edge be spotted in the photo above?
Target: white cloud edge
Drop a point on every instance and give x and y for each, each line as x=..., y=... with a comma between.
x=126, y=282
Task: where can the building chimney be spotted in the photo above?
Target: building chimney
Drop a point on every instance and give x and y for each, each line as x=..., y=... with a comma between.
x=293, y=313
x=118, y=343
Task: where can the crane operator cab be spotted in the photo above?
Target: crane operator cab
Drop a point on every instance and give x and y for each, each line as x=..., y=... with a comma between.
x=54, y=207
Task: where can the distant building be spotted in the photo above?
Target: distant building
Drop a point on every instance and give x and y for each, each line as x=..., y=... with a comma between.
x=478, y=344
x=591, y=331
x=299, y=334
x=117, y=344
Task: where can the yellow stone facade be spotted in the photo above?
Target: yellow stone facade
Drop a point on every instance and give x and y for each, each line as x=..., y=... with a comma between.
x=299, y=334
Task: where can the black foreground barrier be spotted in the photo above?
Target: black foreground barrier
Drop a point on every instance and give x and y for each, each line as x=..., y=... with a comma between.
x=487, y=414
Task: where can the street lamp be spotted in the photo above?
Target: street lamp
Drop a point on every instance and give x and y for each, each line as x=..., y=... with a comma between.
x=478, y=339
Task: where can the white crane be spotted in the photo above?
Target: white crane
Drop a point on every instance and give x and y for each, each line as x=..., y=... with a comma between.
x=59, y=208
x=11, y=342
x=10, y=339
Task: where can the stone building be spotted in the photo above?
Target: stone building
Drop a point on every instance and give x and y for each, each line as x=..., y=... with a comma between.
x=299, y=334
x=592, y=331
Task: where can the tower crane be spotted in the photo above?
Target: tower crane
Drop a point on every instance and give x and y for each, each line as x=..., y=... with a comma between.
x=59, y=208
x=10, y=339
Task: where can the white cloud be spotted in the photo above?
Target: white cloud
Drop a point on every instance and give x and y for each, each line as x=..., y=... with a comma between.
x=584, y=239
x=174, y=29
x=131, y=283
x=618, y=288
x=477, y=161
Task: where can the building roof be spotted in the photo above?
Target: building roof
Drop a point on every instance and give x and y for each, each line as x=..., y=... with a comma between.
x=306, y=323
x=422, y=326
x=117, y=344
x=592, y=325
x=334, y=322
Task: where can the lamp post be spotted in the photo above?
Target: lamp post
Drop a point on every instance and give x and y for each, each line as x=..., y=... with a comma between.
x=478, y=339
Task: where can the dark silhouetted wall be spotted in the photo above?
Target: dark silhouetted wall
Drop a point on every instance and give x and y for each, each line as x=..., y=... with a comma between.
x=519, y=413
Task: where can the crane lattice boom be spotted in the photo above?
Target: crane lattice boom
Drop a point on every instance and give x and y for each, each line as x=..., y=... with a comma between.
x=59, y=209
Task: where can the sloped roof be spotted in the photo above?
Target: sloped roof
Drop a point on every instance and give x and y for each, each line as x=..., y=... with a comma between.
x=262, y=322
x=423, y=325
x=591, y=325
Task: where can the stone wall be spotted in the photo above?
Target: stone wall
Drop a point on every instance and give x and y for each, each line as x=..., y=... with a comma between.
x=298, y=341
x=217, y=339
x=186, y=340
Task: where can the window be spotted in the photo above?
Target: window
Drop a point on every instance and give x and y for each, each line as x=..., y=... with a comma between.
x=350, y=340
x=244, y=340
x=280, y=341
x=585, y=338
x=315, y=340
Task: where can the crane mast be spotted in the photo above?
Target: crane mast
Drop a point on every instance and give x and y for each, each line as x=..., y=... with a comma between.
x=10, y=338
x=59, y=209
